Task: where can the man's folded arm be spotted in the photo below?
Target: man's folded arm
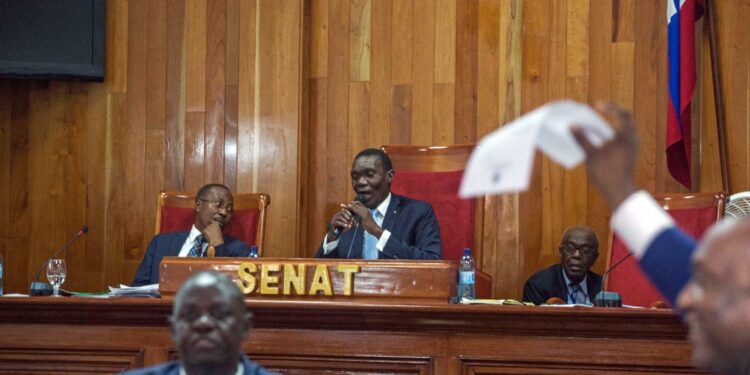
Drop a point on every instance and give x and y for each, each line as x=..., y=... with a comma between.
x=143, y=274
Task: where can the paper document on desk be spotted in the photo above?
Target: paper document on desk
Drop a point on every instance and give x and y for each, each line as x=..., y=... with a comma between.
x=151, y=290
x=502, y=161
x=484, y=301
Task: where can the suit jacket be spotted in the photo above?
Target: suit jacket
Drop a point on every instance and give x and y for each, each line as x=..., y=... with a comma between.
x=173, y=368
x=415, y=233
x=667, y=262
x=550, y=282
x=169, y=244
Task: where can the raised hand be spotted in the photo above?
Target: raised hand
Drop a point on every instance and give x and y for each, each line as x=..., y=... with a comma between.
x=611, y=166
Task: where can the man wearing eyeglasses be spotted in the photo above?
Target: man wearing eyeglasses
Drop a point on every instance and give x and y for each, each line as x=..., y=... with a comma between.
x=570, y=280
x=213, y=209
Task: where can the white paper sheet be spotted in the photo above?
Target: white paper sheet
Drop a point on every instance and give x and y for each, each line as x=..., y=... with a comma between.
x=502, y=161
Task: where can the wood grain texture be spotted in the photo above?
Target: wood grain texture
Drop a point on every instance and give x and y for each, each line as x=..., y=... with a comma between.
x=177, y=109
x=215, y=81
x=494, y=60
x=200, y=90
x=401, y=338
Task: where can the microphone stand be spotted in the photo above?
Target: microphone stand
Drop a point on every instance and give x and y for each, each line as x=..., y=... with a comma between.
x=609, y=299
x=41, y=288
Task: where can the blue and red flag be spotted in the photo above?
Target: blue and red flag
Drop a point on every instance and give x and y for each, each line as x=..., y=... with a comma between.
x=681, y=17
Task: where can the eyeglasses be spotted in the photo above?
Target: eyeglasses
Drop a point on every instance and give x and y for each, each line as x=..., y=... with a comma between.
x=219, y=204
x=570, y=249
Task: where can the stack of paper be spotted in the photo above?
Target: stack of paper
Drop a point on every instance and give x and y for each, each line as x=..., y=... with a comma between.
x=507, y=301
x=135, y=291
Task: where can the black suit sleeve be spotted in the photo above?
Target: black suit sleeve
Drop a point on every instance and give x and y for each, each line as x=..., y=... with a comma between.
x=427, y=244
x=233, y=248
x=143, y=274
x=332, y=254
x=532, y=292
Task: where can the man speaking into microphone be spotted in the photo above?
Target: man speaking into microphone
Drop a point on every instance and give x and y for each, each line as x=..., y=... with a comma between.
x=379, y=224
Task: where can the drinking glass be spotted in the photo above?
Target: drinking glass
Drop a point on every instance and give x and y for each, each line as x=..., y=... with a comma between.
x=56, y=272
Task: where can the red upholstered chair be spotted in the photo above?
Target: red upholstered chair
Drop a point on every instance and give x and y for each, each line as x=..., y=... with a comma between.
x=176, y=212
x=433, y=174
x=693, y=213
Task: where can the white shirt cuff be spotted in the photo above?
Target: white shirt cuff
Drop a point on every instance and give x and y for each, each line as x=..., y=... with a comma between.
x=383, y=240
x=329, y=246
x=638, y=220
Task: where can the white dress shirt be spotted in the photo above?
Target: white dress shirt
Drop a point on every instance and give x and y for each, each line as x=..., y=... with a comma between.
x=382, y=210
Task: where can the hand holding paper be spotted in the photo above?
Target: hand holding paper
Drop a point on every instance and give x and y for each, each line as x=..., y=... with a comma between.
x=503, y=160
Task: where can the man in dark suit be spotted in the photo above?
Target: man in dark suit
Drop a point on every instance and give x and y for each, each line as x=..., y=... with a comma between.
x=213, y=210
x=570, y=280
x=379, y=224
x=707, y=281
x=209, y=321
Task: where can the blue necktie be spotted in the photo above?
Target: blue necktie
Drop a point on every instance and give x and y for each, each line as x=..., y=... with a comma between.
x=578, y=295
x=197, y=249
x=371, y=250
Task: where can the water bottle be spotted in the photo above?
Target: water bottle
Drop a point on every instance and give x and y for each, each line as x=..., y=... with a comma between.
x=466, y=273
x=1, y=275
x=254, y=252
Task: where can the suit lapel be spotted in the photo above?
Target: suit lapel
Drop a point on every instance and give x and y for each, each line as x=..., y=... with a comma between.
x=176, y=242
x=392, y=212
x=563, y=291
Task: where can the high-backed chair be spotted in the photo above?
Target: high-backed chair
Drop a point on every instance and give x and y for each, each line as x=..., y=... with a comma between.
x=693, y=213
x=433, y=174
x=176, y=212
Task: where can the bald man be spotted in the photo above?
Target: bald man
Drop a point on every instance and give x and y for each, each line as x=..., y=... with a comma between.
x=715, y=297
x=209, y=321
x=570, y=280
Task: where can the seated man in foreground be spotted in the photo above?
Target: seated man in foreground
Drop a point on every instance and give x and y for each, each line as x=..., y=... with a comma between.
x=209, y=321
x=570, y=280
x=715, y=299
x=213, y=210
x=379, y=224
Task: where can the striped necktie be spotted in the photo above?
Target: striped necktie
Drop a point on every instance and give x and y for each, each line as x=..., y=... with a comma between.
x=578, y=296
x=197, y=249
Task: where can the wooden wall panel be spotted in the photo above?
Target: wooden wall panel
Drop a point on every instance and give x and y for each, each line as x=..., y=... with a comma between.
x=494, y=60
x=278, y=96
x=179, y=107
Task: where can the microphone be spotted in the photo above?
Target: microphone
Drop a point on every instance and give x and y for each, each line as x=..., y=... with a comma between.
x=41, y=288
x=609, y=299
x=361, y=199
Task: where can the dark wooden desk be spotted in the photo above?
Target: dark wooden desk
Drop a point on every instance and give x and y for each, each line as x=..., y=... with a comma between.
x=69, y=335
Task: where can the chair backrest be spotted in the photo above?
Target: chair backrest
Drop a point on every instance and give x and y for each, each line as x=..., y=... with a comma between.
x=693, y=213
x=433, y=174
x=176, y=212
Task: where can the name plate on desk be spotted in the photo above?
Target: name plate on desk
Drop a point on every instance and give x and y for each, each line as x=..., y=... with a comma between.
x=310, y=279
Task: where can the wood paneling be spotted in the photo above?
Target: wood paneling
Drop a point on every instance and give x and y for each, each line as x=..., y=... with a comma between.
x=192, y=88
x=479, y=64
x=278, y=96
x=297, y=337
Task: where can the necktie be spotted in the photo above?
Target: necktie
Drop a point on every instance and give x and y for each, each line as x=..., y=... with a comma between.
x=197, y=249
x=578, y=296
x=370, y=249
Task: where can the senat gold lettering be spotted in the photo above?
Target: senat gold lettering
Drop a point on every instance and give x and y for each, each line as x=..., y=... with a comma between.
x=348, y=270
x=246, y=281
x=321, y=281
x=266, y=279
x=294, y=277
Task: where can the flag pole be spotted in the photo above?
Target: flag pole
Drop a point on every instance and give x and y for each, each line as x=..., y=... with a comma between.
x=718, y=98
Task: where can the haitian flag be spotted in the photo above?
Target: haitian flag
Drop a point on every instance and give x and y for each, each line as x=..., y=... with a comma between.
x=681, y=17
